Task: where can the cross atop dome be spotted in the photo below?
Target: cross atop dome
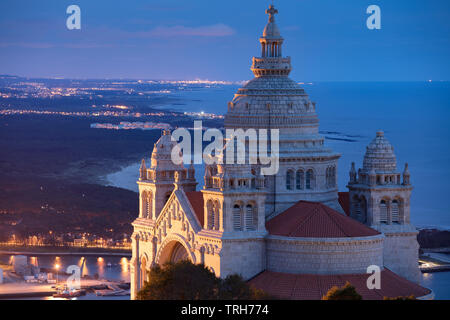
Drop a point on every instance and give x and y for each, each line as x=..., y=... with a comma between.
x=271, y=12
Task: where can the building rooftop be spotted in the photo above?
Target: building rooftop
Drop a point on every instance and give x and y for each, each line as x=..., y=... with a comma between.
x=315, y=220
x=314, y=287
x=380, y=155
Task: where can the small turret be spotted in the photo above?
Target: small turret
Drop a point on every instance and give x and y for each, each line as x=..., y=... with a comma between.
x=208, y=176
x=176, y=183
x=191, y=172
x=406, y=175
x=143, y=171
x=352, y=174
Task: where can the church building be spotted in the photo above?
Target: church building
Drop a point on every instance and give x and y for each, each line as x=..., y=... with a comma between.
x=292, y=234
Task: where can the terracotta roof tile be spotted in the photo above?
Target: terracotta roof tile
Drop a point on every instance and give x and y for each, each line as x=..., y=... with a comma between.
x=196, y=200
x=315, y=220
x=344, y=201
x=314, y=287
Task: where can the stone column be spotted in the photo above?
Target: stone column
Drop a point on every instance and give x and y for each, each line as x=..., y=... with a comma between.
x=135, y=267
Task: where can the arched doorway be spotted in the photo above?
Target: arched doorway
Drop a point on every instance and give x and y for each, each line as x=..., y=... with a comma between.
x=179, y=253
x=174, y=251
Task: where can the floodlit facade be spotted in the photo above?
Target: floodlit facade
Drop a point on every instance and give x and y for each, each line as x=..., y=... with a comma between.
x=291, y=225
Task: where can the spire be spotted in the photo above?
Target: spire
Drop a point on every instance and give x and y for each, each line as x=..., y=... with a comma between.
x=271, y=61
x=143, y=171
x=191, y=171
x=177, y=181
x=353, y=173
x=406, y=175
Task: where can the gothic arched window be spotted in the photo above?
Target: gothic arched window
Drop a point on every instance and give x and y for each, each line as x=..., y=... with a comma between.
x=358, y=208
x=143, y=204
x=328, y=176
x=149, y=208
x=237, y=217
x=310, y=179
x=383, y=212
x=250, y=217
x=333, y=177
x=363, y=206
x=299, y=179
x=210, y=213
x=395, y=211
x=216, y=215
x=289, y=179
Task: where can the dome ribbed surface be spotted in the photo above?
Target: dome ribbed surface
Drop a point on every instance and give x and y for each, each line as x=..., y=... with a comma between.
x=271, y=31
x=380, y=155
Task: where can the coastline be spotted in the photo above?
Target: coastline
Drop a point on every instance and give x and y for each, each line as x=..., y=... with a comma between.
x=64, y=251
x=30, y=253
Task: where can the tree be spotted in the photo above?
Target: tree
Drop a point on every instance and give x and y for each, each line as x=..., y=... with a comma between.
x=180, y=281
x=186, y=281
x=347, y=292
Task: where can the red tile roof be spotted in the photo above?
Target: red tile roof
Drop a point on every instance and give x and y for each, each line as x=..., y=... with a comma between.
x=314, y=220
x=196, y=200
x=314, y=287
x=344, y=201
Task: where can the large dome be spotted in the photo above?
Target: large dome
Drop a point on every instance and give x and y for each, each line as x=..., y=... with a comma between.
x=162, y=153
x=380, y=155
x=272, y=99
x=271, y=102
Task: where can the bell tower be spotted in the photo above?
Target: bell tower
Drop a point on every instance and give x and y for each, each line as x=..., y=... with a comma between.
x=157, y=183
x=234, y=199
x=380, y=199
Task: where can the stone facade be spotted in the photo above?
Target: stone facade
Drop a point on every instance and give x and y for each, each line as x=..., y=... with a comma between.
x=324, y=255
x=380, y=199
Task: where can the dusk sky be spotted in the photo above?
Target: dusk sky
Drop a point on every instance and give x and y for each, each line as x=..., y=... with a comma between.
x=210, y=39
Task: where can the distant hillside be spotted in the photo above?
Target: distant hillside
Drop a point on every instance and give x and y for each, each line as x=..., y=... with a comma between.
x=433, y=238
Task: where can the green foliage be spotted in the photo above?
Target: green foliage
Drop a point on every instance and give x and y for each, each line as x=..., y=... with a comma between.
x=180, y=281
x=186, y=281
x=347, y=292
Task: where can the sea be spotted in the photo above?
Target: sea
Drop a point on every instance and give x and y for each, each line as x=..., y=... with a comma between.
x=107, y=267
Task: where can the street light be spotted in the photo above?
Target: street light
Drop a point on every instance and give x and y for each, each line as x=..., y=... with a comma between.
x=57, y=266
